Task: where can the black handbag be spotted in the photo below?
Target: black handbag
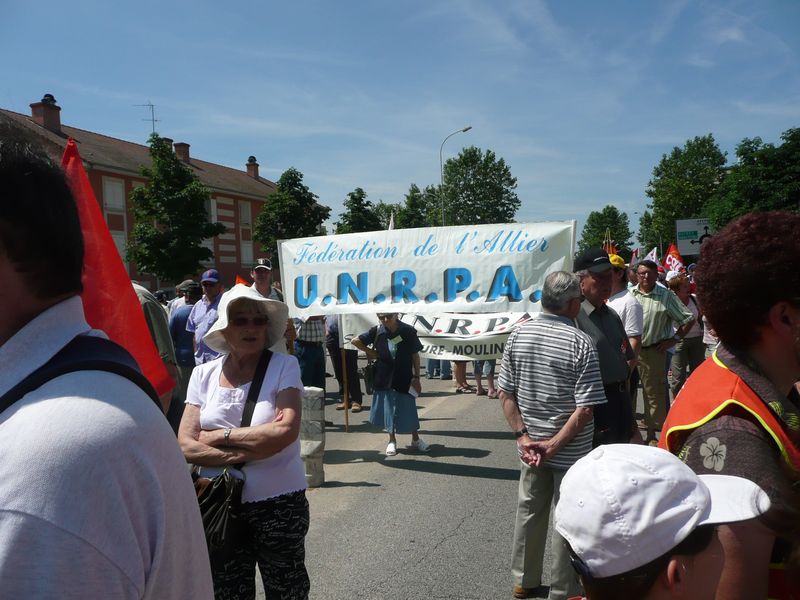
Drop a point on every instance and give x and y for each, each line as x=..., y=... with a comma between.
x=368, y=373
x=220, y=497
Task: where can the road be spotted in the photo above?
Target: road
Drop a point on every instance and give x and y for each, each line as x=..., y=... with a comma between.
x=434, y=525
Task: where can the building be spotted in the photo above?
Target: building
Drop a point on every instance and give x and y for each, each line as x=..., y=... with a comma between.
x=113, y=167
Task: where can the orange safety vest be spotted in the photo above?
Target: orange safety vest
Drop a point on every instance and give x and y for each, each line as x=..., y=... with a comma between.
x=712, y=390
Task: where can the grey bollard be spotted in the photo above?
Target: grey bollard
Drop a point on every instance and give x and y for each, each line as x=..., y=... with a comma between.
x=312, y=435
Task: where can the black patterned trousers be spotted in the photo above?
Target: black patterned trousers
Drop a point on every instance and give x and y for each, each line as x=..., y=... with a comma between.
x=277, y=530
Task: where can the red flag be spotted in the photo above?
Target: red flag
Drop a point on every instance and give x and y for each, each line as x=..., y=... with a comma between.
x=240, y=280
x=673, y=261
x=109, y=301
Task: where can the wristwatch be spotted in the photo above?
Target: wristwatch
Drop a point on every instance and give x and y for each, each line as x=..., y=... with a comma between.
x=520, y=433
x=227, y=434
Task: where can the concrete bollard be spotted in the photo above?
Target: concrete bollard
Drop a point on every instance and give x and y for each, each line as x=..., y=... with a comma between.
x=312, y=435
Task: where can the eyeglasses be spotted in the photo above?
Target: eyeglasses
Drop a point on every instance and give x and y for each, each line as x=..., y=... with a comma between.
x=252, y=321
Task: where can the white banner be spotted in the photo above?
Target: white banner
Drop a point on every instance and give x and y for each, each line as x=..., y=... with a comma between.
x=448, y=336
x=476, y=269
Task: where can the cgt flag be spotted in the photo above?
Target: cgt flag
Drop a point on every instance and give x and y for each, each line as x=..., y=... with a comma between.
x=673, y=261
x=109, y=301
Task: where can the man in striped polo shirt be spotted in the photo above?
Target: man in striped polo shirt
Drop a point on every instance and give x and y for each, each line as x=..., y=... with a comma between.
x=549, y=381
x=663, y=312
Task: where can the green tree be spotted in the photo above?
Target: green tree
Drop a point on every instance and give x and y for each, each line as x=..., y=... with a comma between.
x=384, y=210
x=171, y=217
x=648, y=237
x=765, y=177
x=291, y=212
x=358, y=214
x=479, y=188
x=683, y=183
x=609, y=219
x=421, y=208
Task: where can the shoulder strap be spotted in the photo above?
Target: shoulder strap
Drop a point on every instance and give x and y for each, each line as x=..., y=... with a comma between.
x=255, y=389
x=83, y=353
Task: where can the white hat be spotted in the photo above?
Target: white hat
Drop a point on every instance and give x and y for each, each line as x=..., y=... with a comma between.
x=672, y=275
x=624, y=505
x=277, y=312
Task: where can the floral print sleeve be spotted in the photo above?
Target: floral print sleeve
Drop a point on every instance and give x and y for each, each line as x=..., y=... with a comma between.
x=731, y=445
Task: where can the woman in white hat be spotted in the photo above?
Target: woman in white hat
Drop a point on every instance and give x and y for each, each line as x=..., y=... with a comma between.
x=274, y=506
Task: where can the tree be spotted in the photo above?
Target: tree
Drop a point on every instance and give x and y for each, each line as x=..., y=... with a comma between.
x=683, y=183
x=384, y=210
x=171, y=217
x=358, y=215
x=421, y=208
x=479, y=188
x=608, y=219
x=291, y=212
x=765, y=177
x=648, y=237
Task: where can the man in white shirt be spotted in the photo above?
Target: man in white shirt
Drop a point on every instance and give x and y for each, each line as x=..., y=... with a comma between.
x=96, y=500
x=632, y=315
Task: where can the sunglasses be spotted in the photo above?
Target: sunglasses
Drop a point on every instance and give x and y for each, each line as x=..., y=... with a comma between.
x=245, y=321
x=209, y=284
x=385, y=317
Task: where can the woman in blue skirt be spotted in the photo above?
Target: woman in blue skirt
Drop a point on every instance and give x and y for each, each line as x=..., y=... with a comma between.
x=394, y=346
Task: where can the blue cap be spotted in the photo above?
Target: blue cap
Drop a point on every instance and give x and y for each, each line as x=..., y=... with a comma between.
x=210, y=275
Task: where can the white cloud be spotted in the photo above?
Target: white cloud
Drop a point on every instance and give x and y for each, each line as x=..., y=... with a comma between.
x=789, y=109
x=701, y=62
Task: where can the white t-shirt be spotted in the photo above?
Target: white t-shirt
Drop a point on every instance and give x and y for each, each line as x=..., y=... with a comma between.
x=95, y=495
x=221, y=407
x=629, y=310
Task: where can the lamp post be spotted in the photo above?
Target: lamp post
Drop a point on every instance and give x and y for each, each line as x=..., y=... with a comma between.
x=441, y=165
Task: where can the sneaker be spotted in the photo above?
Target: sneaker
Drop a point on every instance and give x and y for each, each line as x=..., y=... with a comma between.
x=420, y=445
x=355, y=407
x=391, y=449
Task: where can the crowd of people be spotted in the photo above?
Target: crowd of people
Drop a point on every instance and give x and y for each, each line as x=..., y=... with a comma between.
x=712, y=512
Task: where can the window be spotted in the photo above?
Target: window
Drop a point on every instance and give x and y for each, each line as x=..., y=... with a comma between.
x=113, y=194
x=247, y=254
x=245, y=219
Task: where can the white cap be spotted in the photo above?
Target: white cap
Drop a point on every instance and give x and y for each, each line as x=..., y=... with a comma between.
x=624, y=505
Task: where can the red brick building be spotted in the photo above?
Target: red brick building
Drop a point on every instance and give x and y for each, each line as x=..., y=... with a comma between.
x=113, y=167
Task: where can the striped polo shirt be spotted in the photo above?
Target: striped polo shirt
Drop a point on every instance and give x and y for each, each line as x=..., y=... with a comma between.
x=662, y=308
x=551, y=367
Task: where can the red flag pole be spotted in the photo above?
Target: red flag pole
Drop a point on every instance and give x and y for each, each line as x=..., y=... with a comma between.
x=109, y=300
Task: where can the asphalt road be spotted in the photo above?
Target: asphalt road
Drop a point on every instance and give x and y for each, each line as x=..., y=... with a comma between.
x=412, y=526
x=435, y=525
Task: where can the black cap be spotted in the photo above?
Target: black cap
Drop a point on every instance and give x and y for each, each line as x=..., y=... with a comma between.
x=263, y=263
x=594, y=260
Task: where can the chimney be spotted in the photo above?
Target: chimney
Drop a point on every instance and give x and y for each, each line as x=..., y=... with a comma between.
x=182, y=150
x=252, y=167
x=46, y=113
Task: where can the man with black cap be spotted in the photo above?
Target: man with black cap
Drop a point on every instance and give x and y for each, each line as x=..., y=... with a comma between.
x=261, y=273
x=613, y=421
x=204, y=315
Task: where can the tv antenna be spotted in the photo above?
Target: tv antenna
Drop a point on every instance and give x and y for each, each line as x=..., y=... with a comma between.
x=152, y=118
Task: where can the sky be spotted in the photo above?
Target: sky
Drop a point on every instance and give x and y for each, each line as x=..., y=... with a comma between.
x=581, y=98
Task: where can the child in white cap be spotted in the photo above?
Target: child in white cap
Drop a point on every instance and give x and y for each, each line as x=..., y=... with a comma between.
x=641, y=524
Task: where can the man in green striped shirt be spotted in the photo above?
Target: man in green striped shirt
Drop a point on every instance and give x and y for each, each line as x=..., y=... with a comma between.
x=663, y=311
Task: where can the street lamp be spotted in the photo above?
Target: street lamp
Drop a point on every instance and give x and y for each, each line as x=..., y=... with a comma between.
x=441, y=165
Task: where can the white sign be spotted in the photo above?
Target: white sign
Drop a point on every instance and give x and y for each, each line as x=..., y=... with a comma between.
x=691, y=233
x=480, y=268
x=449, y=336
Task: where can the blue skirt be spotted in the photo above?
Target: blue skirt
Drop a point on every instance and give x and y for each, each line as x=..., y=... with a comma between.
x=394, y=411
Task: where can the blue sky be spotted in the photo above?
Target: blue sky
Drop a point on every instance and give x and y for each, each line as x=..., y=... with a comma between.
x=581, y=98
